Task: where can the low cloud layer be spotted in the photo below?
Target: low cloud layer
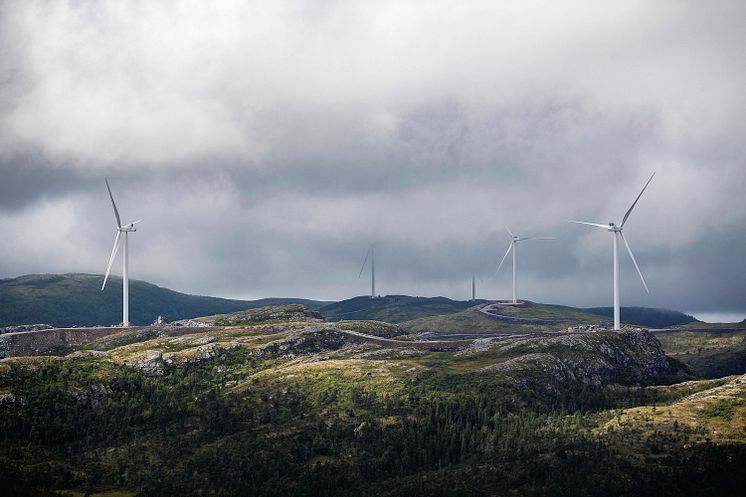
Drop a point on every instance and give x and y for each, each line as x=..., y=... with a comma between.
x=265, y=146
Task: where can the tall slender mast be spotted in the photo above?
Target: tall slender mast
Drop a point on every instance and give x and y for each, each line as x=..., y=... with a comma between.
x=473, y=288
x=119, y=241
x=515, y=263
x=125, y=284
x=372, y=271
x=616, y=280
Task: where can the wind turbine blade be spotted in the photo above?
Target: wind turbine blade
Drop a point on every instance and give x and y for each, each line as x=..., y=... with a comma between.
x=116, y=212
x=114, y=251
x=537, y=238
x=604, y=226
x=634, y=261
x=135, y=222
x=510, y=246
x=367, y=254
x=624, y=220
x=511, y=233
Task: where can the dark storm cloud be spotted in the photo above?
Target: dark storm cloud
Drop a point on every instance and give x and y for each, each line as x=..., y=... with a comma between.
x=267, y=146
x=26, y=179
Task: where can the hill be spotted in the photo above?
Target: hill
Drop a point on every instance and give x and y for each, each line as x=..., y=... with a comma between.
x=279, y=402
x=77, y=300
x=491, y=318
x=645, y=316
x=711, y=350
x=401, y=308
x=393, y=308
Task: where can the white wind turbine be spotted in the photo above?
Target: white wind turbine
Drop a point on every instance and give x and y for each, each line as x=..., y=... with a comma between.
x=370, y=253
x=512, y=247
x=617, y=231
x=118, y=241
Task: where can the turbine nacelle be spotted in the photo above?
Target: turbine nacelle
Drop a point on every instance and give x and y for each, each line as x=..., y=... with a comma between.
x=129, y=228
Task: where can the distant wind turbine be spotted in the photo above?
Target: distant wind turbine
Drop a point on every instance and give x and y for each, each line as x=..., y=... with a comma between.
x=617, y=231
x=118, y=241
x=512, y=247
x=473, y=288
x=370, y=253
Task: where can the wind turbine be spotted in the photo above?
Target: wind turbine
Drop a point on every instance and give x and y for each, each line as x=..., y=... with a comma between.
x=473, y=288
x=118, y=241
x=513, y=247
x=370, y=253
x=617, y=231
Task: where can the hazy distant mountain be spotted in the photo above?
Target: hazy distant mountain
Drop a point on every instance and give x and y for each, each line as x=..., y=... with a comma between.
x=77, y=299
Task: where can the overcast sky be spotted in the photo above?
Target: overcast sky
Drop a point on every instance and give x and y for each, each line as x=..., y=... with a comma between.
x=266, y=144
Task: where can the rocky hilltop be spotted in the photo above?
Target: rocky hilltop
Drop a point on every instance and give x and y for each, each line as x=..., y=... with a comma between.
x=287, y=333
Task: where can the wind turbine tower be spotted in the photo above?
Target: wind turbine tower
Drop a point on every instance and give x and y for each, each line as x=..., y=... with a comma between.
x=372, y=255
x=120, y=240
x=617, y=232
x=512, y=247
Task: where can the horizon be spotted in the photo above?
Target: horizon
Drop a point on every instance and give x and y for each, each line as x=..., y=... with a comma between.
x=705, y=317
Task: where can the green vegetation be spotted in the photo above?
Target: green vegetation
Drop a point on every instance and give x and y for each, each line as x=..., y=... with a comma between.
x=300, y=407
x=77, y=300
x=540, y=318
x=393, y=308
x=712, y=353
x=374, y=328
x=401, y=308
x=645, y=316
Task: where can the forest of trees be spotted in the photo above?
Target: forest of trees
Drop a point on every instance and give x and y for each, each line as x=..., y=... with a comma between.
x=87, y=425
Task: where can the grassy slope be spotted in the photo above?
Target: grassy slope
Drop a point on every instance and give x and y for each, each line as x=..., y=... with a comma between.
x=645, y=316
x=712, y=409
x=401, y=308
x=473, y=321
x=273, y=410
x=711, y=352
x=77, y=299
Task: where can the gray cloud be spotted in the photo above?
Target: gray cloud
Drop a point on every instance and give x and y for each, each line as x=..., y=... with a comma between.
x=266, y=146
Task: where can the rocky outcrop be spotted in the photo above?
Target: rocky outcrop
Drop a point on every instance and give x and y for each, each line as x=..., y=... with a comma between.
x=629, y=357
x=153, y=362
x=49, y=342
x=150, y=362
x=95, y=394
x=305, y=343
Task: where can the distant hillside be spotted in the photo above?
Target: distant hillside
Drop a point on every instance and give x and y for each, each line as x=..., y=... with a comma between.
x=394, y=308
x=77, y=300
x=400, y=308
x=527, y=318
x=645, y=316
